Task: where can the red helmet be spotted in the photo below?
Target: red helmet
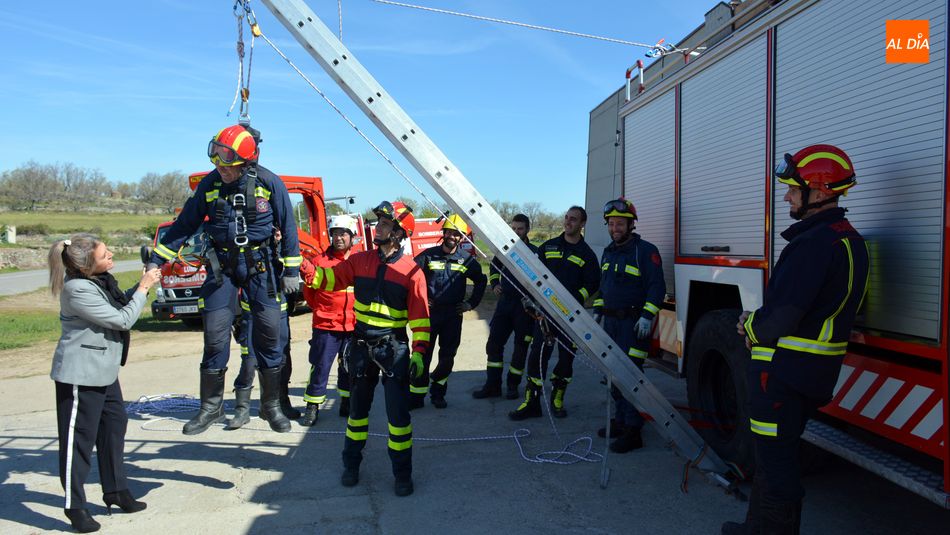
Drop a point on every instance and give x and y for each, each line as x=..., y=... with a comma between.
x=825, y=168
x=233, y=145
x=620, y=208
x=399, y=213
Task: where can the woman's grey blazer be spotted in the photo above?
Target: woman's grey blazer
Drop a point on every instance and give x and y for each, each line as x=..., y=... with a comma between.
x=90, y=348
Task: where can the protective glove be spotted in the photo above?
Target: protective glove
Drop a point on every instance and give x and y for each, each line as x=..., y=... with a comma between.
x=415, y=364
x=463, y=307
x=289, y=285
x=643, y=328
x=307, y=271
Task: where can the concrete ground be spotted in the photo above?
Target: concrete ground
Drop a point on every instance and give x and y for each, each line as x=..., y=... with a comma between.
x=469, y=471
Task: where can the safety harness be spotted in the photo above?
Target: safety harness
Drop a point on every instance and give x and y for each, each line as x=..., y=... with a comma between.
x=243, y=219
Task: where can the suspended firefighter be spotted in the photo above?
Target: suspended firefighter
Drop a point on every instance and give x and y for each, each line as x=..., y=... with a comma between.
x=244, y=203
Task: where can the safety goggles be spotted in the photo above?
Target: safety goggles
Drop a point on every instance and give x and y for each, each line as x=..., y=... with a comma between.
x=618, y=207
x=385, y=209
x=221, y=154
x=786, y=171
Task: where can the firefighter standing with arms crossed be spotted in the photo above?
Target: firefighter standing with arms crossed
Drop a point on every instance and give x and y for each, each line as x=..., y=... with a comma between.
x=244, y=203
x=390, y=294
x=509, y=318
x=799, y=337
x=333, y=322
x=446, y=267
x=631, y=289
x=574, y=264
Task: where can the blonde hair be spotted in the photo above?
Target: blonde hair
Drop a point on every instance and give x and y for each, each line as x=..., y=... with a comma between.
x=74, y=257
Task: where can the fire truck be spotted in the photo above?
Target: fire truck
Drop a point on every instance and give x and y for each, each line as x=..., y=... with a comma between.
x=692, y=140
x=177, y=292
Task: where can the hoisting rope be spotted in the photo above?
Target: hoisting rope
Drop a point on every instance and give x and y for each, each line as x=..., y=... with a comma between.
x=242, y=10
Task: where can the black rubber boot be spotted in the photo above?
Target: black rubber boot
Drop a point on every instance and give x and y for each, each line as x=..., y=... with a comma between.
x=270, y=400
x=630, y=440
x=437, y=395
x=559, y=388
x=310, y=416
x=344, y=407
x=212, y=402
x=242, y=408
x=752, y=524
x=492, y=386
x=285, y=406
x=616, y=429
x=512, y=386
x=403, y=486
x=416, y=401
x=531, y=406
x=350, y=477
x=780, y=517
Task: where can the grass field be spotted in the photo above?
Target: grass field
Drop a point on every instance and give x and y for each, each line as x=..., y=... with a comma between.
x=64, y=222
x=23, y=326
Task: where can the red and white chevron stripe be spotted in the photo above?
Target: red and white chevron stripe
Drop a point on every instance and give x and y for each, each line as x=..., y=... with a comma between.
x=903, y=404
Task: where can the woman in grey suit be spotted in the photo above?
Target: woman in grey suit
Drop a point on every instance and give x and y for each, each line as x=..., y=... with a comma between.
x=96, y=317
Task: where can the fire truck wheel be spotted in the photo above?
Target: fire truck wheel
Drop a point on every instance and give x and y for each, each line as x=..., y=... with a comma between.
x=716, y=386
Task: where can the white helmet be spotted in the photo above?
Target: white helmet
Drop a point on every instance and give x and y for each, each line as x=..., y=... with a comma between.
x=344, y=222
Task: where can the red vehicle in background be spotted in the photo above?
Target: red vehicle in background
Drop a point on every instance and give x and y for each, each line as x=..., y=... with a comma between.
x=177, y=292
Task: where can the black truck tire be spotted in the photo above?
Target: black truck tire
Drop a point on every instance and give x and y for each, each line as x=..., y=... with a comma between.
x=716, y=386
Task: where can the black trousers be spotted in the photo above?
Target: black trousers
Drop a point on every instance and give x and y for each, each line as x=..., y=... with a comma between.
x=365, y=365
x=509, y=318
x=446, y=330
x=87, y=416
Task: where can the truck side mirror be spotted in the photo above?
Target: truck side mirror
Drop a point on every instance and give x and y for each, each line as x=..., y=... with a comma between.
x=146, y=253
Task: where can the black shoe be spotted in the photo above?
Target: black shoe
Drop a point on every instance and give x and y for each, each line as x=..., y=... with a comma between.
x=350, y=477
x=416, y=401
x=487, y=391
x=557, y=398
x=512, y=392
x=270, y=411
x=310, y=417
x=439, y=403
x=286, y=406
x=344, y=407
x=403, y=486
x=616, y=429
x=630, y=440
x=81, y=520
x=124, y=500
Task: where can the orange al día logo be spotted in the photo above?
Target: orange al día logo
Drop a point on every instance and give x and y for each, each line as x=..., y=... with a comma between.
x=908, y=41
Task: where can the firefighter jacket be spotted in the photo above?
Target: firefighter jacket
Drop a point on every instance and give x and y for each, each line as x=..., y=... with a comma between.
x=389, y=294
x=446, y=274
x=631, y=279
x=573, y=264
x=801, y=332
x=216, y=200
x=499, y=274
x=333, y=310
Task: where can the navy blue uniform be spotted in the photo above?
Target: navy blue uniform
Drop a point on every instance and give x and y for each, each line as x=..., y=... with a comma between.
x=575, y=266
x=631, y=287
x=509, y=317
x=799, y=337
x=249, y=267
x=446, y=275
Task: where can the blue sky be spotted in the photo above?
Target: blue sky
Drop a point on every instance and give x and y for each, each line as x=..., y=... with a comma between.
x=132, y=87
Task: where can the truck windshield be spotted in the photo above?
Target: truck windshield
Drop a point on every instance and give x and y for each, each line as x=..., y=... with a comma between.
x=193, y=245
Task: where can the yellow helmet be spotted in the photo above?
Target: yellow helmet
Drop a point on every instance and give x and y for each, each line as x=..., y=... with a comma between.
x=455, y=222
